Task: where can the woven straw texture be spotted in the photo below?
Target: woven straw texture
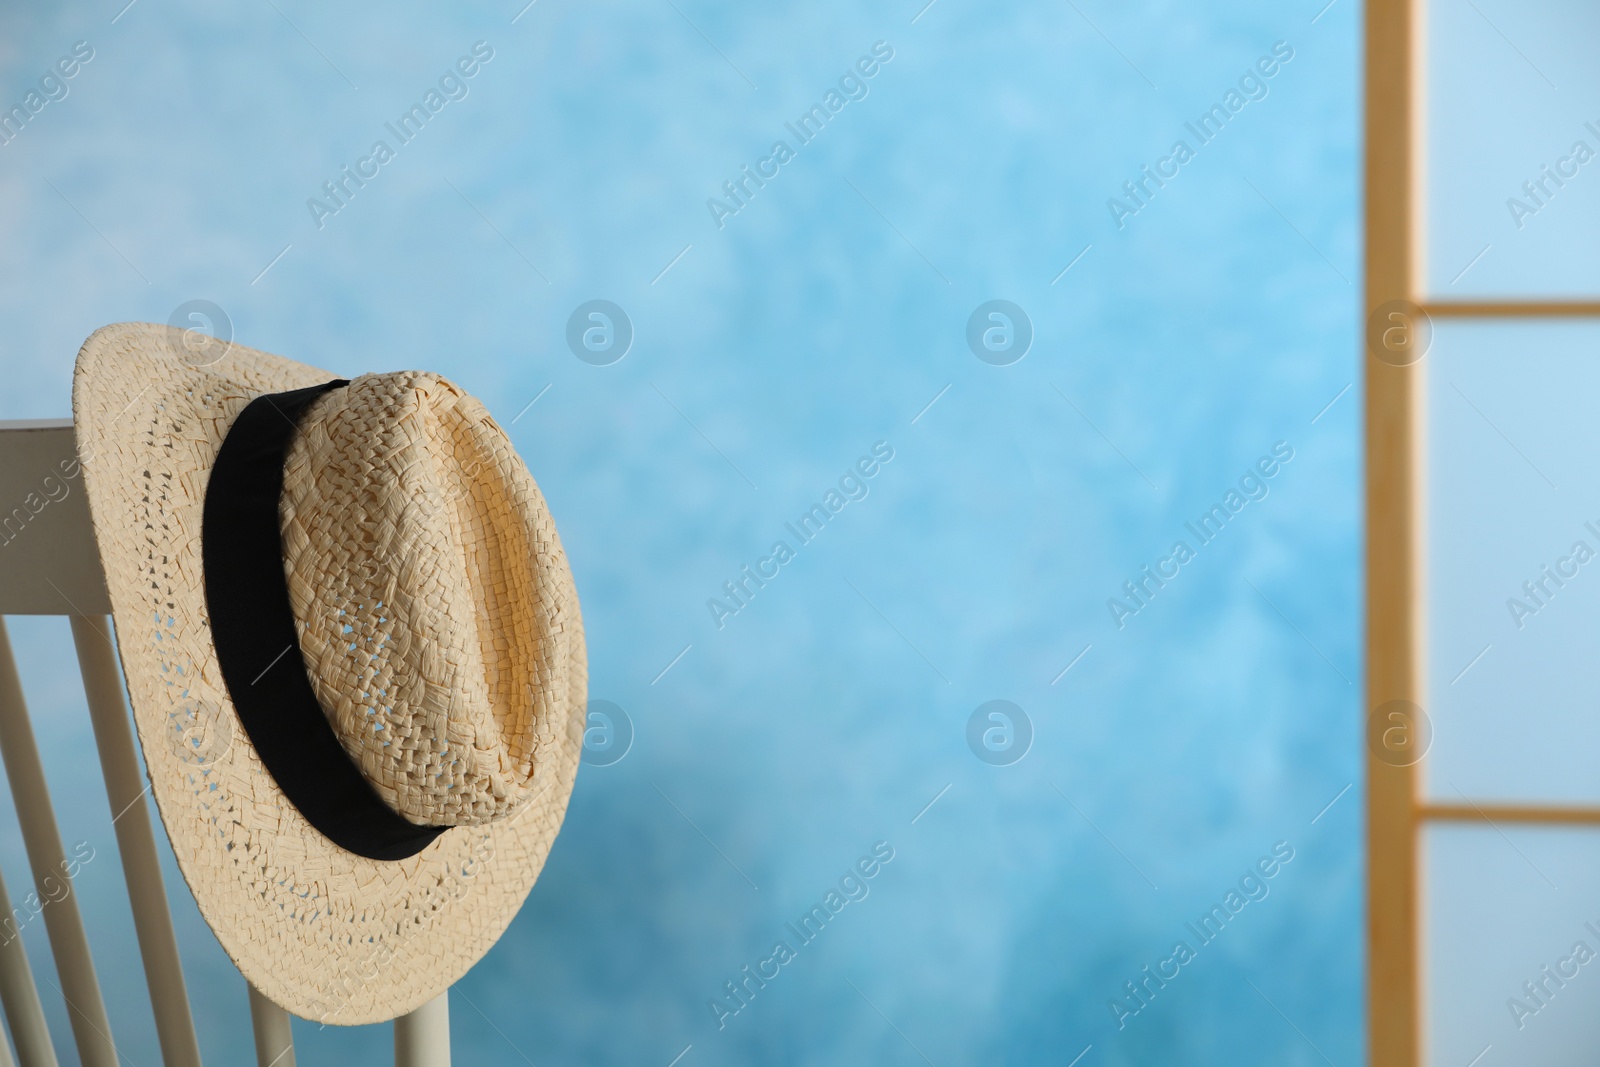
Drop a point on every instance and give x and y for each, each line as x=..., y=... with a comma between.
x=438, y=622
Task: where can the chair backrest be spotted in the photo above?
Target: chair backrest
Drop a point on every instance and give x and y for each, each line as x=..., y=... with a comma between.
x=49, y=566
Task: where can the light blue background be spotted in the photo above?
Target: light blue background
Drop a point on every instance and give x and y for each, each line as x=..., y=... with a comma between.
x=820, y=319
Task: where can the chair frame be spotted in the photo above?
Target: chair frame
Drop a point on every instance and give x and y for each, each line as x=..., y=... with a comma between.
x=49, y=566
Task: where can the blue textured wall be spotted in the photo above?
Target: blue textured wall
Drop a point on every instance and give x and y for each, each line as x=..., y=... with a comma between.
x=1211, y=320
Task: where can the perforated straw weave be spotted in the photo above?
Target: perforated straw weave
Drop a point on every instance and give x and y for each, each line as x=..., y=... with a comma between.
x=437, y=621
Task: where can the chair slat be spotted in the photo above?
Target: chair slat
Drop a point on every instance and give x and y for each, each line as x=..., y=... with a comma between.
x=20, y=997
x=79, y=987
x=422, y=1039
x=274, y=1040
x=152, y=919
x=5, y=1055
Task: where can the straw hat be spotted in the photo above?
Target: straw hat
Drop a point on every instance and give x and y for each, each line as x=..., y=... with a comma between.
x=354, y=654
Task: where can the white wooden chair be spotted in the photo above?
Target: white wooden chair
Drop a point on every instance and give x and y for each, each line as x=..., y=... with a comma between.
x=49, y=566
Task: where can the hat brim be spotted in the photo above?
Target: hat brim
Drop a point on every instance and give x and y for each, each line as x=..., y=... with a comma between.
x=322, y=932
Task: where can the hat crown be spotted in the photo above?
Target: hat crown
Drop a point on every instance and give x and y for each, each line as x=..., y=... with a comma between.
x=422, y=569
